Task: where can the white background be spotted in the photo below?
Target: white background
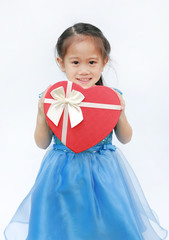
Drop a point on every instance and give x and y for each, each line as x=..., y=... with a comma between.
x=138, y=31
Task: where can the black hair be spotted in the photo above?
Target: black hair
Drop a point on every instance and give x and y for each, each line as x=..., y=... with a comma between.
x=86, y=30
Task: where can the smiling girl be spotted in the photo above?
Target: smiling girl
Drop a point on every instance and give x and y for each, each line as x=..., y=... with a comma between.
x=94, y=194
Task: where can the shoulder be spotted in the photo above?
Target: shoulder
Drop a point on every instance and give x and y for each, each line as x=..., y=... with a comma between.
x=40, y=94
x=118, y=91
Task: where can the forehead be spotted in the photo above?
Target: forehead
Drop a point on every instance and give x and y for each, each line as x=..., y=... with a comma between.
x=84, y=45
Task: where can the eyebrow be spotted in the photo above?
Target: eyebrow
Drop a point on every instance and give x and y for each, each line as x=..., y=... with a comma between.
x=92, y=57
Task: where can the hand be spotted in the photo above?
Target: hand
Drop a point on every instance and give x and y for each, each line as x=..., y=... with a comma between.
x=123, y=129
x=41, y=103
x=122, y=102
x=43, y=134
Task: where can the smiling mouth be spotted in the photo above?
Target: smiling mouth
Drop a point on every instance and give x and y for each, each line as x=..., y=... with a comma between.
x=84, y=80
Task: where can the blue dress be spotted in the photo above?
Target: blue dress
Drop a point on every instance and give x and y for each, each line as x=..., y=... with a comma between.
x=92, y=195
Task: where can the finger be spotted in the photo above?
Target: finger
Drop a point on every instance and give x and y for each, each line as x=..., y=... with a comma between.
x=118, y=93
x=45, y=91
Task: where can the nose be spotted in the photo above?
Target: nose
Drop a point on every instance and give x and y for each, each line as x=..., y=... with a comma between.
x=84, y=70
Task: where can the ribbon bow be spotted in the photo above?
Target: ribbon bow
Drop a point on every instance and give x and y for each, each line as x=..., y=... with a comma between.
x=62, y=102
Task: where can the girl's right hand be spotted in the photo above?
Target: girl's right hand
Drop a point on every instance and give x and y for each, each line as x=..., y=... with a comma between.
x=43, y=134
x=41, y=103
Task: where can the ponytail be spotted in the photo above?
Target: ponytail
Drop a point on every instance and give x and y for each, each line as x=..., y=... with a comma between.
x=100, y=82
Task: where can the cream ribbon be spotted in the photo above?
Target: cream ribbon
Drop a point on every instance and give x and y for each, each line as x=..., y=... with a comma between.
x=70, y=104
x=59, y=103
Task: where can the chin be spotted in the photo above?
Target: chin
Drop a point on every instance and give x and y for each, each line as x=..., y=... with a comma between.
x=85, y=86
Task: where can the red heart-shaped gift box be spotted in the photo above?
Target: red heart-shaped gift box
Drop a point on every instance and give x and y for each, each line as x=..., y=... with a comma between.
x=100, y=110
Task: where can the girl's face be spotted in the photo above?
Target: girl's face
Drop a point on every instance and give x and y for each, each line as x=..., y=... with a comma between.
x=83, y=62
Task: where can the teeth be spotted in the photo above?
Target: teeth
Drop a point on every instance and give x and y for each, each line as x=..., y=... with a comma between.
x=84, y=79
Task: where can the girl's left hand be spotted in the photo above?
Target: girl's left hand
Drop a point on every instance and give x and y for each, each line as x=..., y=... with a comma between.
x=121, y=100
x=123, y=129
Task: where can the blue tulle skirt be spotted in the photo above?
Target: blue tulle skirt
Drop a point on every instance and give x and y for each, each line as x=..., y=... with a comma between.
x=93, y=195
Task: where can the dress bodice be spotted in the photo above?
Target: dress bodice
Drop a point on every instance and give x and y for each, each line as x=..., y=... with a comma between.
x=106, y=143
x=106, y=140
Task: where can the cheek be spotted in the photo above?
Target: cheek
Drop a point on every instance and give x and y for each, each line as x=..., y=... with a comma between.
x=70, y=73
x=99, y=70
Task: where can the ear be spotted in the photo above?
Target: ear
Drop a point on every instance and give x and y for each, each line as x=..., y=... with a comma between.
x=61, y=63
x=104, y=63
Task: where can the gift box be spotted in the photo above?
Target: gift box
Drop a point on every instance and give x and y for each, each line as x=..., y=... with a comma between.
x=79, y=117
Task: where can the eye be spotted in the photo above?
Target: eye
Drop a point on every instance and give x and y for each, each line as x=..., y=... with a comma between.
x=92, y=62
x=75, y=62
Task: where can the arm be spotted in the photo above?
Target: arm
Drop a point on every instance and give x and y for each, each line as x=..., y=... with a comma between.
x=123, y=129
x=43, y=134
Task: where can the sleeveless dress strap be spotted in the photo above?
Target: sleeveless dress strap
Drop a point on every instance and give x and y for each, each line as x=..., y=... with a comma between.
x=118, y=91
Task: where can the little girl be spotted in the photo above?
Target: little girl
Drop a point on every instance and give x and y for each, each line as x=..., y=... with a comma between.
x=92, y=195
